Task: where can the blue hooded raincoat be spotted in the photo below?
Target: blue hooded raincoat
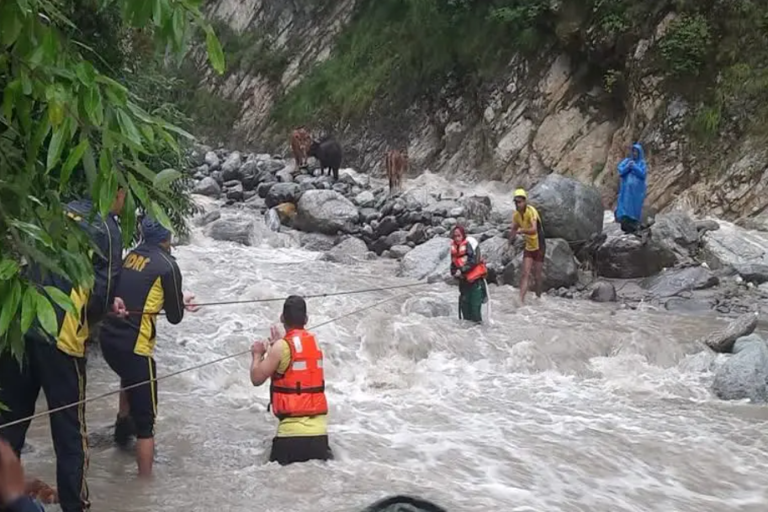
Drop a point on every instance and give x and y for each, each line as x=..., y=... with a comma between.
x=632, y=186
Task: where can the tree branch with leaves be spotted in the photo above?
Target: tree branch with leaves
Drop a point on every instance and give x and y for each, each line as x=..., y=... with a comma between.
x=68, y=129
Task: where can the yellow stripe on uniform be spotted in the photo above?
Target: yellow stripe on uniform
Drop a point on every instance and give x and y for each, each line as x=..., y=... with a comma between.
x=75, y=331
x=84, y=493
x=145, y=344
x=152, y=391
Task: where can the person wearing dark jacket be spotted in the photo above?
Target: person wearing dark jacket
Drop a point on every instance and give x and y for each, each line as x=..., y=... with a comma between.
x=57, y=364
x=150, y=282
x=469, y=269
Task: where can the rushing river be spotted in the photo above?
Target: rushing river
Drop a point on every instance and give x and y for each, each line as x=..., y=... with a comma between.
x=560, y=405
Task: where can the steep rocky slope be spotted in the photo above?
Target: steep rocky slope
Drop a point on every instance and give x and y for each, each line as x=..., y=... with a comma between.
x=573, y=106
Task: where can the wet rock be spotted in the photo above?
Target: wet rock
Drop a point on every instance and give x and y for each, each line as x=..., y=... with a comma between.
x=677, y=231
x=702, y=226
x=497, y=253
x=230, y=169
x=256, y=203
x=569, y=209
x=264, y=188
x=476, y=208
x=250, y=175
x=688, y=306
x=759, y=223
x=745, y=373
x=207, y=218
x=365, y=199
x=722, y=341
x=387, y=225
x=325, y=211
x=675, y=281
x=350, y=250
x=630, y=256
x=602, y=291
x=398, y=251
x=234, y=191
x=238, y=230
x=282, y=193
x=443, y=208
x=732, y=245
x=212, y=160
x=432, y=258
x=417, y=234
x=429, y=307
x=316, y=241
x=560, y=267
x=270, y=165
x=207, y=187
x=752, y=272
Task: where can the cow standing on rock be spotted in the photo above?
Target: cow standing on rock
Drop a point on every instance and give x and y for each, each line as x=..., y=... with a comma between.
x=328, y=153
x=300, y=142
x=396, y=164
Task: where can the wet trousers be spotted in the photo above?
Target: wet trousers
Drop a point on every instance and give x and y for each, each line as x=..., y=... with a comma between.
x=62, y=379
x=471, y=297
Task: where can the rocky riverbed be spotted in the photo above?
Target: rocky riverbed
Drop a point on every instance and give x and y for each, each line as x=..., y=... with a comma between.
x=680, y=263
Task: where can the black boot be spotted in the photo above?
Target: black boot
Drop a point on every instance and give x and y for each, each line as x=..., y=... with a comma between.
x=125, y=429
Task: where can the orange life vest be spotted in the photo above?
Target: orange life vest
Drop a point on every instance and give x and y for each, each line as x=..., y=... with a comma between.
x=300, y=391
x=459, y=258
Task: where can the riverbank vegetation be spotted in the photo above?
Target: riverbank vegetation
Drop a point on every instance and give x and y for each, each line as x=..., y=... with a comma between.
x=713, y=52
x=81, y=116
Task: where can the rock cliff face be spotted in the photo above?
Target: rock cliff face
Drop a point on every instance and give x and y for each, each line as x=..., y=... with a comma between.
x=532, y=120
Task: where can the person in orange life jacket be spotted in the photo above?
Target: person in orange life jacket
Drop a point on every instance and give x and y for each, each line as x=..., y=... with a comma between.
x=150, y=282
x=527, y=221
x=468, y=268
x=294, y=364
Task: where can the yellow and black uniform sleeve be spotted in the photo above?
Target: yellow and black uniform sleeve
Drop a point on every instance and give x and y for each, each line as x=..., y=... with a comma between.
x=150, y=283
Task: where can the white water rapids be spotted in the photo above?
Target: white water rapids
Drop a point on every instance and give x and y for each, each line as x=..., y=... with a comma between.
x=560, y=405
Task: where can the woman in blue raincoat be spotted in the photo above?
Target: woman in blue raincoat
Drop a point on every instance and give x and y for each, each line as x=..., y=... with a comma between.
x=632, y=172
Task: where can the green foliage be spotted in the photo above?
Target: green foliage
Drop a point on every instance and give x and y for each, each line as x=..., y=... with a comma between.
x=252, y=51
x=398, y=49
x=686, y=45
x=70, y=127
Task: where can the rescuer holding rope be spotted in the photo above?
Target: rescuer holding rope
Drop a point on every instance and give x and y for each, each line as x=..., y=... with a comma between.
x=150, y=282
x=294, y=364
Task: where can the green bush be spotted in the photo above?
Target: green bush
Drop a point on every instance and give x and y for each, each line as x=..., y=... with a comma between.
x=686, y=44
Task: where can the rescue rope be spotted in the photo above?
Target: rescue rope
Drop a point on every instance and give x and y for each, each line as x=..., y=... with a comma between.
x=281, y=299
x=188, y=369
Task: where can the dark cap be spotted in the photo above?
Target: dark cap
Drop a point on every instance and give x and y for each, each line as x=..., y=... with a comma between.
x=295, y=311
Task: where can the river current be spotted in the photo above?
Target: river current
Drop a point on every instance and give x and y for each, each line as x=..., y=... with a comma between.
x=559, y=405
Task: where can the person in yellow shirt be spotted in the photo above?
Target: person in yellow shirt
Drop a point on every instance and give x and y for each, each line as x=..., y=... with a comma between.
x=527, y=222
x=294, y=364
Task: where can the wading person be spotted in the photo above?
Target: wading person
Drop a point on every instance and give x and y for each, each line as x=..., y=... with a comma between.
x=57, y=364
x=467, y=267
x=527, y=222
x=150, y=282
x=294, y=364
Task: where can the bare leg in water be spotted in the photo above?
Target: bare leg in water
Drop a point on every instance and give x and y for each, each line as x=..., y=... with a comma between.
x=527, y=264
x=145, y=454
x=538, y=272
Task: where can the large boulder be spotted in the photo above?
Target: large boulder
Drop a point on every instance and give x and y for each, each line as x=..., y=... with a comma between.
x=350, y=250
x=430, y=259
x=477, y=208
x=569, y=209
x=207, y=187
x=316, y=241
x=560, y=267
x=325, y=211
x=235, y=229
x=675, y=281
x=678, y=232
x=722, y=341
x=282, y=193
x=731, y=245
x=230, y=169
x=631, y=256
x=745, y=373
x=498, y=253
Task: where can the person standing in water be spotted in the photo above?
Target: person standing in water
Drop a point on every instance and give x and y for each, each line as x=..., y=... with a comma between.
x=150, y=282
x=632, y=174
x=527, y=221
x=294, y=364
x=468, y=268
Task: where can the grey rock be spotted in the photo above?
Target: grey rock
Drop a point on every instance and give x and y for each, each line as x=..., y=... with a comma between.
x=272, y=220
x=207, y=218
x=325, y=211
x=350, y=250
x=316, y=241
x=230, y=169
x=207, y=187
x=745, y=373
x=282, y=193
x=430, y=258
x=602, y=291
x=630, y=256
x=675, y=281
x=722, y=341
x=752, y=272
x=569, y=209
x=398, y=251
x=232, y=230
x=212, y=160
x=560, y=267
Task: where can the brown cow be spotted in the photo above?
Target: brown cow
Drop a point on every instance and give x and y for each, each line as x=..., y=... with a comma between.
x=396, y=163
x=300, y=141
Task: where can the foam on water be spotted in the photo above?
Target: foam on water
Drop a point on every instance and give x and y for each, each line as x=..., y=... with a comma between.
x=559, y=406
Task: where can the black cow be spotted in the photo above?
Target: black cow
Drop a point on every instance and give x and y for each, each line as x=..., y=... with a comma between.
x=328, y=153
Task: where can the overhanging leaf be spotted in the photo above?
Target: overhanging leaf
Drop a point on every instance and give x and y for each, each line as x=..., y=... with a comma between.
x=215, y=53
x=47, y=315
x=62, y=300
x=10, y=306
x=8, y=268
x=28, y=308
x=165, y=177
